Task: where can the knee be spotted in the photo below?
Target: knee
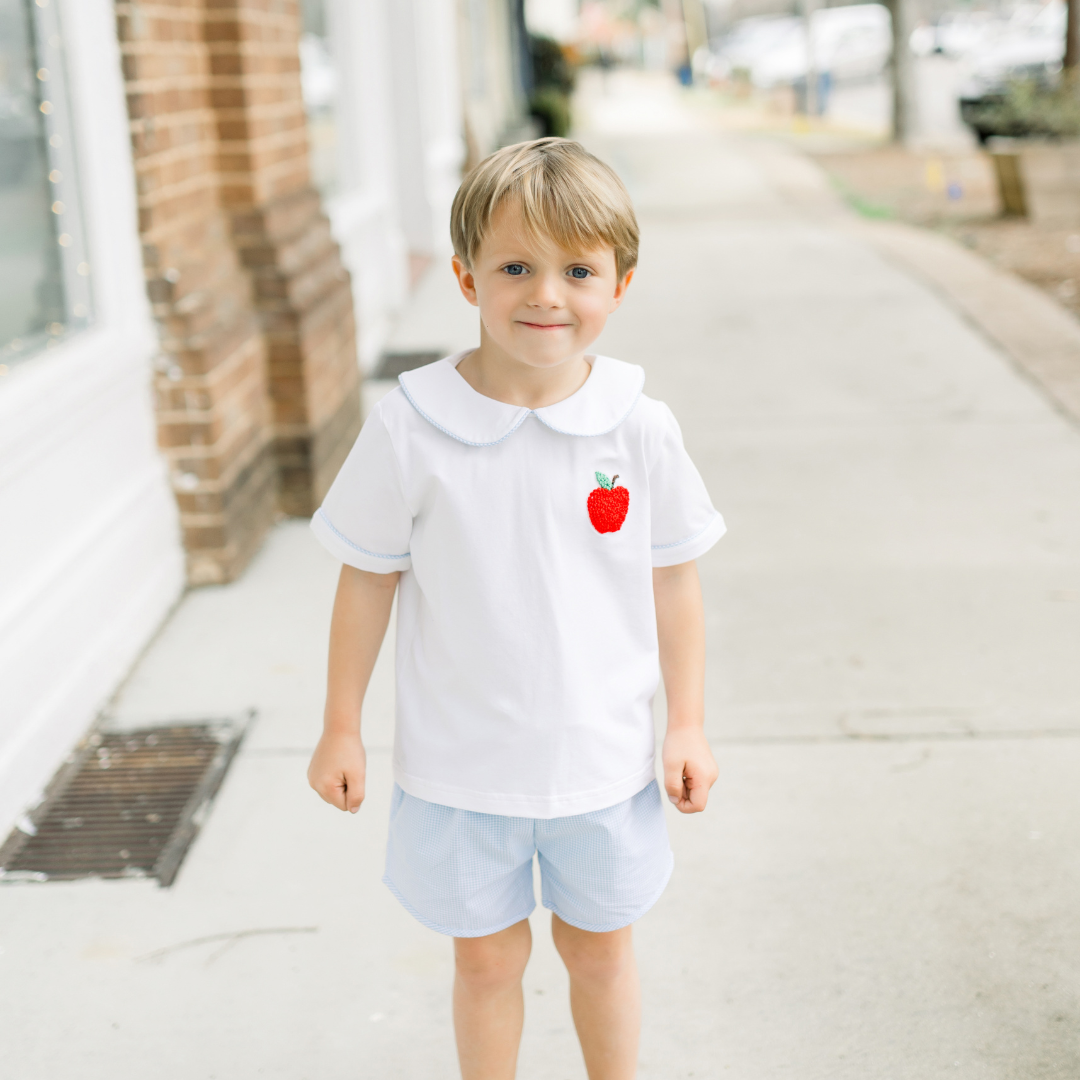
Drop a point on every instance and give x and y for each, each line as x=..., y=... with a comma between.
x=493, y=963
x=592, y=957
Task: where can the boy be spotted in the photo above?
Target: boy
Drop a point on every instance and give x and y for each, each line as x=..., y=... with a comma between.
x=540, y=518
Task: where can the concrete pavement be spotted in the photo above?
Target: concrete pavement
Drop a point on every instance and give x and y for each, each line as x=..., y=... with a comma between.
x=885, y=884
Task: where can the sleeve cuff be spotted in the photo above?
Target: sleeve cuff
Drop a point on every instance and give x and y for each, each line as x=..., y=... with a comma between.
x=348, y=552
x=692, y=547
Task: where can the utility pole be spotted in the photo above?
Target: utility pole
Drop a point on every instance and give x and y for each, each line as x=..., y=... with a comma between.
x=697, y=28
x=812, y=106
x=1072, y=38
x=902, y=69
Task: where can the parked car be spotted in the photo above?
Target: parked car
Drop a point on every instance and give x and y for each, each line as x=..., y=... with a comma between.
x=846, y=43
x=739, y=51
x=959, y=34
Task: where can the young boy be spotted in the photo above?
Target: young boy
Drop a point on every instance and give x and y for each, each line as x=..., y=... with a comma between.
x=539, y=516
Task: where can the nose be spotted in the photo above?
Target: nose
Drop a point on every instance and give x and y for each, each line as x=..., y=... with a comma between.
x=547, y=291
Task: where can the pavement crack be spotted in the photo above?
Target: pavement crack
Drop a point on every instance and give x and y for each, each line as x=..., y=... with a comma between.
x=894, y=737
x=229, y=939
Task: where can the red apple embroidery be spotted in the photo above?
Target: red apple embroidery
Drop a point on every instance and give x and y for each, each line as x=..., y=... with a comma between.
x=608, y=504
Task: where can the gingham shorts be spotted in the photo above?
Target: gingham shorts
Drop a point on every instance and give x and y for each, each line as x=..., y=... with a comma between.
x=468, y=874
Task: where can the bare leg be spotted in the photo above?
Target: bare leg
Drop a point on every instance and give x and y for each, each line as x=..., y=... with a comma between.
x=489, y=1008
x=605, y=997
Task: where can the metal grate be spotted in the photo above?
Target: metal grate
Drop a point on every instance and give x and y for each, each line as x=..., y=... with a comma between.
x=128, y=805
x=394, y=363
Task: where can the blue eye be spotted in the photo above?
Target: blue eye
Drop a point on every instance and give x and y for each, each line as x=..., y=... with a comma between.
x=515, y=269
x=580, y=272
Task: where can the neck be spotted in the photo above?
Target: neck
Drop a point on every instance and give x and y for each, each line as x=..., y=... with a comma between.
x=493, y=372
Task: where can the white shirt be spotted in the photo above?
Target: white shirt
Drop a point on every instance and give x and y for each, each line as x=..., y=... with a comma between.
x=526, y=634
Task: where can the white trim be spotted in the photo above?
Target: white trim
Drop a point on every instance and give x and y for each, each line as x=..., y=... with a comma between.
x=74, y=695
x=16, y=605
x=71, y=380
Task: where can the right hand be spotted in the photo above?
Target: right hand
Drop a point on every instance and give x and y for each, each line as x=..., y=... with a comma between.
x=338, y=770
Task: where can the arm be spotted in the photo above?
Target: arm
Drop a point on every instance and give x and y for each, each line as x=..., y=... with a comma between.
x=689, y=768
x=361, y=613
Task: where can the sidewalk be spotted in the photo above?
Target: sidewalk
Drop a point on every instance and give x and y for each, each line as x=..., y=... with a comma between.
x=885, y=884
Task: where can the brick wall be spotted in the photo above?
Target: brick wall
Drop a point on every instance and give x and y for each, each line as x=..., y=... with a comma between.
x=258, y=387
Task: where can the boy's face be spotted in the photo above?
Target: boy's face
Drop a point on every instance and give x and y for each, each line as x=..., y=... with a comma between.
x=539, y=303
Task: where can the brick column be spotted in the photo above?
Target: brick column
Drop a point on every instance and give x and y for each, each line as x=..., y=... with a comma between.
x=215, y=421
x=257, y=387
x=302, y=291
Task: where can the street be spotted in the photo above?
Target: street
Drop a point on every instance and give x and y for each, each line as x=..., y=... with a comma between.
x=885, y=883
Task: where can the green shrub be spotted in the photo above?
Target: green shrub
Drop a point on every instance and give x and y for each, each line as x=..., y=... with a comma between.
x=1030, y=107
x=552, y=108
x=553, y=82
x=549, y=67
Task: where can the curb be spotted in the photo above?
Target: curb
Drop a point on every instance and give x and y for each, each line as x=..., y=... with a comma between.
x=1040, y=336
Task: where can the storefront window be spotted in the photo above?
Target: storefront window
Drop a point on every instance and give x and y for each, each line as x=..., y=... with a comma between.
x=44, y=268
x=319, y=81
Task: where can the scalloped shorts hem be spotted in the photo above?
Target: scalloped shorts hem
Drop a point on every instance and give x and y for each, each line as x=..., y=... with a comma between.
x=620, y=922
x=451, y=931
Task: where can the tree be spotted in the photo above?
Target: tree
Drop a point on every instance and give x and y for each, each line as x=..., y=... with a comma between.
x=902, y=68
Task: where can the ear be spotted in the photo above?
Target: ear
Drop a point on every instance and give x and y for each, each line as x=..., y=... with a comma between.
x=465, y=280
x=620, y=290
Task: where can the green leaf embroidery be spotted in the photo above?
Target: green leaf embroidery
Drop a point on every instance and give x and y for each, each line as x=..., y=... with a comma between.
x=602, y=480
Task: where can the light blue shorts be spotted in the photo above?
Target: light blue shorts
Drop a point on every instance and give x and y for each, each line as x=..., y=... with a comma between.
x=468, y=874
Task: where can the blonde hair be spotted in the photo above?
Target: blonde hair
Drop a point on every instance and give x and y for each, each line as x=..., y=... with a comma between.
x=563, y=193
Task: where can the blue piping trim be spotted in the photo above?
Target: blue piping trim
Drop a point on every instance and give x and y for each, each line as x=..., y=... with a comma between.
x=356, y=547
x=592, y=434
x=447, y=431
x=689, y=539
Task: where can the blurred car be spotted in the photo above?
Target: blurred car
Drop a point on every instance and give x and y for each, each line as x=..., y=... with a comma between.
x=1032, y=47
x=959, y=34
x=846, y=43
x=747, y=43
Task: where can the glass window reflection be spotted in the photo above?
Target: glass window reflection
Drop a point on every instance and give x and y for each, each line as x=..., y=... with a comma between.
x=44, y=271
x=319, y=81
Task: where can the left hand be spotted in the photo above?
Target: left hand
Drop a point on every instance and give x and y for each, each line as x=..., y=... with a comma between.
x=689, y=769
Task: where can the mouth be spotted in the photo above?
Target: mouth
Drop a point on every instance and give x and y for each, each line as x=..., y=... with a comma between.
x=545, y=326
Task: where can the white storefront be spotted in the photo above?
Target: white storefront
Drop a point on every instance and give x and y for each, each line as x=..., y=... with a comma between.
x=90, y=553
x=381, y=84
x=392, y=87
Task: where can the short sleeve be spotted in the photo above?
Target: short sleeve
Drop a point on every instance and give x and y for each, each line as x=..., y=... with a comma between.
x=684, y=523
x=364, y=519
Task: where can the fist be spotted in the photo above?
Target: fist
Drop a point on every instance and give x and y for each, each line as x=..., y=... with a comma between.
x=689, y=769
x=338, y=770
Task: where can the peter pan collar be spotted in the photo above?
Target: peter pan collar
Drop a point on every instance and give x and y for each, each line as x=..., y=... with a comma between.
x=443, y=398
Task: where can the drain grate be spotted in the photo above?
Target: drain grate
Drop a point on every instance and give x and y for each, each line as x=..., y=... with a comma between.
x=128, y=805
x=394, y=364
